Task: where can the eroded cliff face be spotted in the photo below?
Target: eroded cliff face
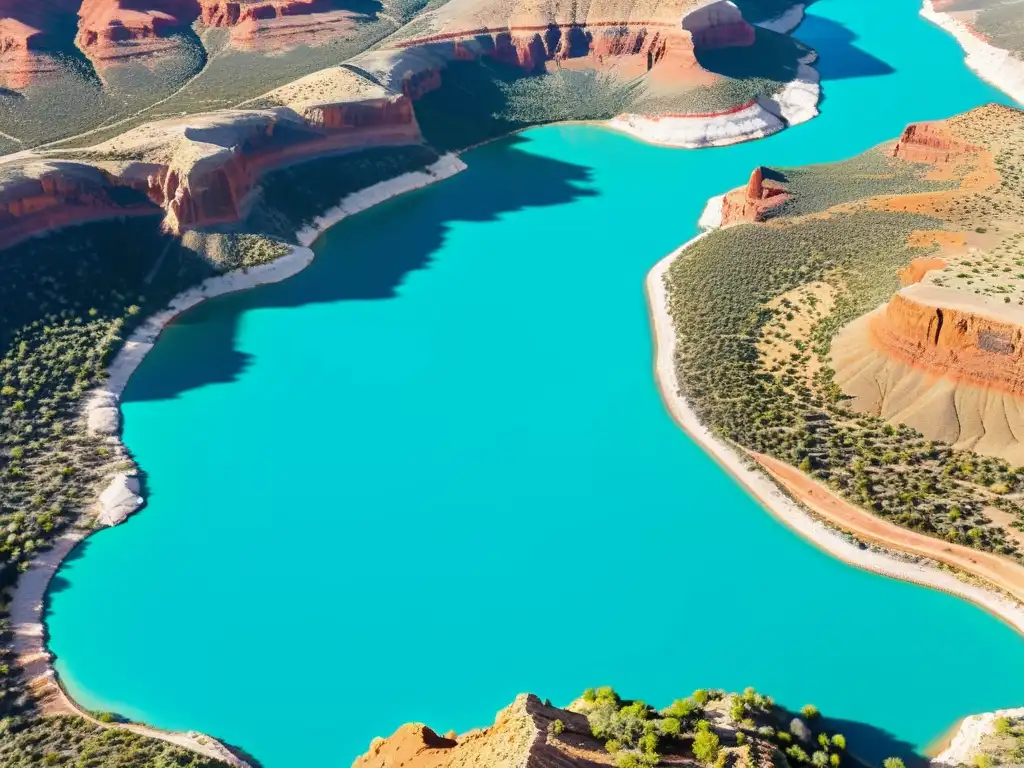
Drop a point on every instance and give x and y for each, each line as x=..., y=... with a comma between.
x=659, y=39
x=109, y=30
x=518, y=739
x=29, y=38
x=930, y=143
x=952, y=334
x=199, y=170
x=750, y=203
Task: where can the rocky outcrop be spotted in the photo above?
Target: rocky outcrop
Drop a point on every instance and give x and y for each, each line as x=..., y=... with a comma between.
x=967, y=742
x=201, y=170
x=662, y=42
x=38, y=195
x=278, y=24
x=115, y=29
x=119, y=499
x=28, y=39
x=915, y=271
x=750, y=203
x=518, y=739
x=930, y=143
x=956, y=335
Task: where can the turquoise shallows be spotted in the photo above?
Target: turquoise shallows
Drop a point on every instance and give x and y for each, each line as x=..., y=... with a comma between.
x=433, y=470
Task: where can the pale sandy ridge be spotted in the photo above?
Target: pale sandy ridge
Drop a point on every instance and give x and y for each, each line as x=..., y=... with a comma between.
x=994, y=65
x=28, y=599
x=770, y=495
x=967, y=741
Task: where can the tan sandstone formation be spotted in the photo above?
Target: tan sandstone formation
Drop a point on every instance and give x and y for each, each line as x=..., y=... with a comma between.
x=115, y=29
x=518, y=739
x=27, y=39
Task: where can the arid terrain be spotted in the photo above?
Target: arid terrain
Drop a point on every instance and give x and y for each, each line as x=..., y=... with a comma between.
x=877, y=350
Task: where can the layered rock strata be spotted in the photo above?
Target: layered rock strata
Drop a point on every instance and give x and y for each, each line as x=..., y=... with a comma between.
x=947, y=363
x=200, y=170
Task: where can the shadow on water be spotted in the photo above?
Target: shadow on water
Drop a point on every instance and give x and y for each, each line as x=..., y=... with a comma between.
x=838, y=56
x=59, y=583
x=871, y=744
x=374, y=271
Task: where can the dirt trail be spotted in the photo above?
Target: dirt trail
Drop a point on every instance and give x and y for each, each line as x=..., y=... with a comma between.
x=1004, y=573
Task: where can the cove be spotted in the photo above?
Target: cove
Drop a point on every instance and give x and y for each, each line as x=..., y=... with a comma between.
x=433, y=470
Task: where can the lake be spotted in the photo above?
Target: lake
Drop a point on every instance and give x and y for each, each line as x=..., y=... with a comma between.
x=433, y=470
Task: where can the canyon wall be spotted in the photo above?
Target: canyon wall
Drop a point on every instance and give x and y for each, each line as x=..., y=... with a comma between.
x=33, y=32
x=953, y=334
x=109, y=30
x=197, y=171
x=661, y=42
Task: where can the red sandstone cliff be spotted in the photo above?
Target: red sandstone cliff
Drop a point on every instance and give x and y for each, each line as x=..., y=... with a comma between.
x=750, y=203
x=110, y=31
x=930, y=143
x=115, y=29
x=955, y=335
x=198, y=171
x=660, y=43
x=27, y=38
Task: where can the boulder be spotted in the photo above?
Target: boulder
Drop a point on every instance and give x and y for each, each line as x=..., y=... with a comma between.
x=119, y=499
x=800, y=730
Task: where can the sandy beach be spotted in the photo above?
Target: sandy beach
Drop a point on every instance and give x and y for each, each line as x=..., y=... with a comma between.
x=1007, y=576
x=28, y=599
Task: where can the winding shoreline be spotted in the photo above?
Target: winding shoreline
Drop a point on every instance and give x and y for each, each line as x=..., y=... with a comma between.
x=996, y=66
x=769, y=495
x=27, y=606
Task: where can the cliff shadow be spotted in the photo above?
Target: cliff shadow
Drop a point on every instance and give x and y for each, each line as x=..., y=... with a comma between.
x=870, y=745
x=364, y=259
x=838, y=55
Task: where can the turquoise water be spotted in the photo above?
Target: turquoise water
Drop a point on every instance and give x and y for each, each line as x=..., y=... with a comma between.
x=433, y=470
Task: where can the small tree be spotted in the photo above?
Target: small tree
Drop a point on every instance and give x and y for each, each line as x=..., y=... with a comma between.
x=810, y=711
x=893, y=762
x=839, y=741
x=705, y=746
x=555, y=728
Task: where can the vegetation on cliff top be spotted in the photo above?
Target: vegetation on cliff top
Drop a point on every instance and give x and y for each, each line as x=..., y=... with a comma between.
x=724, y=296
x=715, y=728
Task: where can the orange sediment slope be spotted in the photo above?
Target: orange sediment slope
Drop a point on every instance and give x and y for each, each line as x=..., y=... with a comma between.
x=1003, y=573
